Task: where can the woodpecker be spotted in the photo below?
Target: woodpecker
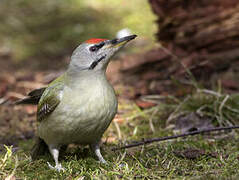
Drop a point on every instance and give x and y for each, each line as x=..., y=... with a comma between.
x=78, y=106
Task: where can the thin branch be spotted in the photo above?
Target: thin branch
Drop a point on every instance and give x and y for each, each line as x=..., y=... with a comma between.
x=148, y=141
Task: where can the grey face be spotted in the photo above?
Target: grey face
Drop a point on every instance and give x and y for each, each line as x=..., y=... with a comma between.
x=96, y=56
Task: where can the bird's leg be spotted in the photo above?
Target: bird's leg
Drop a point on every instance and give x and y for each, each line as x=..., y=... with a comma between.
x=55, y=153
x=96, y=148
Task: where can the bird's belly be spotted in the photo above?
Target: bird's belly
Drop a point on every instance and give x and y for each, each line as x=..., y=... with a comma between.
x=81, y=121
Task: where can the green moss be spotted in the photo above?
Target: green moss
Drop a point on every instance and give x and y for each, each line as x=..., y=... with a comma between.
x=201, y=157
x=151, y=161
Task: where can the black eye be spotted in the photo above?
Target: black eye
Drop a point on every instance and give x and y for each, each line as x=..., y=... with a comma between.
x=93, y=48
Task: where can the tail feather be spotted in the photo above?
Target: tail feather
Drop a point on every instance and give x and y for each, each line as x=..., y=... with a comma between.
x=32, y=98
x=39, y=149
x=28, y=100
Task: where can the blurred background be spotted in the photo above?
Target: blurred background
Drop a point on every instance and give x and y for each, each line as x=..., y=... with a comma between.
x=180, y=73
x=34, y=32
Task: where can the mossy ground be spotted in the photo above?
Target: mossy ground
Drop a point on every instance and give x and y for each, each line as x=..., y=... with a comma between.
x=200, y=157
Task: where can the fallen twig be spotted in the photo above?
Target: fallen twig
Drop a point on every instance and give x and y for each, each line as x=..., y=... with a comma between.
x=148, y=141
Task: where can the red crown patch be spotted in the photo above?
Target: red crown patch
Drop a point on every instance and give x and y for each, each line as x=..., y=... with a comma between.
x=95, y=41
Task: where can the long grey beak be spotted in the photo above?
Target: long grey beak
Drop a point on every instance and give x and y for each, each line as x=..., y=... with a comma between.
x=123, y=40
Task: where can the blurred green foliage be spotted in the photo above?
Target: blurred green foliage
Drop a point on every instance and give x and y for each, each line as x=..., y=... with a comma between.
x=51, y=28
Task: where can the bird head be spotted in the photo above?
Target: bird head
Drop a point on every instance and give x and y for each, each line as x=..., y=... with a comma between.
x=95, y=54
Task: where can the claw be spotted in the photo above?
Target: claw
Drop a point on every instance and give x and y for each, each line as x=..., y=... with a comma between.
x=55, y=153
x=103, y=161
x=58, y=167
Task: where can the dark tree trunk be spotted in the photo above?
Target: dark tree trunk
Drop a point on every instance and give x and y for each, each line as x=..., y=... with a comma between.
x=202, y=34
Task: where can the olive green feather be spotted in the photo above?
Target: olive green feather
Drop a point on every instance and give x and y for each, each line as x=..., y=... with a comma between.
x=50, y=98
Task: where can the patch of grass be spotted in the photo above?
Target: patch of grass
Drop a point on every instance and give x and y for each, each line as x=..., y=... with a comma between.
x=153, y=161
x=222, y=109
x=220, y=157
x=201, y=157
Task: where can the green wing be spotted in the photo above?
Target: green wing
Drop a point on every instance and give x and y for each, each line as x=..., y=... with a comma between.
x=50, y=98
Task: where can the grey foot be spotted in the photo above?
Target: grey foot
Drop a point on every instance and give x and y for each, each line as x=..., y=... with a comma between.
x=96, y=149
x=54, y=150
x=58, y=167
